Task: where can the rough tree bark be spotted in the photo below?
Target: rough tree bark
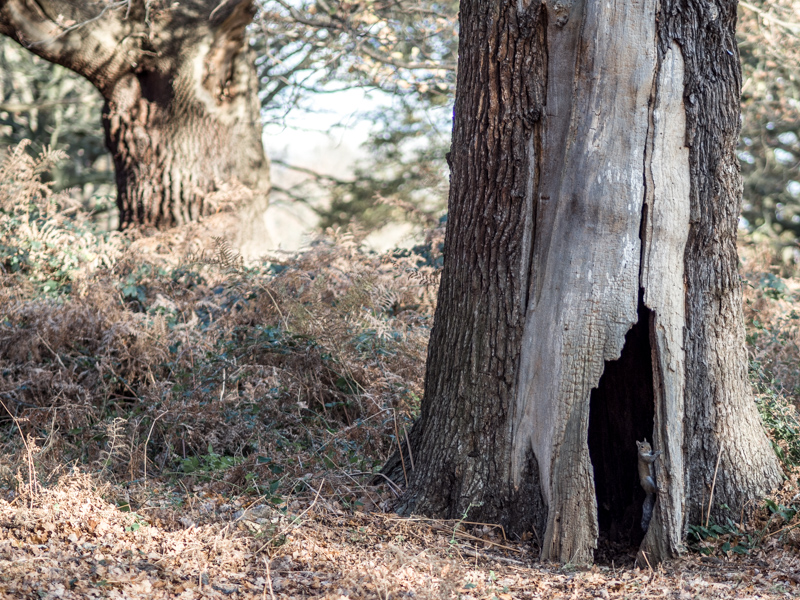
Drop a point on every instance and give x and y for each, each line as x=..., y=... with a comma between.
x=181, y=112
x=590, y=294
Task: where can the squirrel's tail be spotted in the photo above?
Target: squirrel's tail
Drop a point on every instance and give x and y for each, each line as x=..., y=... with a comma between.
x=647, y=510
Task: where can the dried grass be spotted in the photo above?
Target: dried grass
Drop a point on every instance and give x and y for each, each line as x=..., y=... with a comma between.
x=772, y=318
x=176, y=349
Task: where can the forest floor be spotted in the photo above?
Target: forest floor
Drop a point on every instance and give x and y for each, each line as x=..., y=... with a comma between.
x=181, y=424
x=70, y=542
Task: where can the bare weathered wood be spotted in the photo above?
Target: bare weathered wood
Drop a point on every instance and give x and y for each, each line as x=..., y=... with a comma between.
x=665, y=231
x=586, y=286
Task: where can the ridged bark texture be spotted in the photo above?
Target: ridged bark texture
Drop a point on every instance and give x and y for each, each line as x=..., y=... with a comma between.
x=464, y=436
x=594, y=185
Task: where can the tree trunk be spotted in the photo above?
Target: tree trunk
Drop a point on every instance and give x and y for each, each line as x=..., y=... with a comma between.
x=181, y=116
x=590, y=295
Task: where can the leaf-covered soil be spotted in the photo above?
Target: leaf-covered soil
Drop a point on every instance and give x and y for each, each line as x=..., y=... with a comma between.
x=70, y=542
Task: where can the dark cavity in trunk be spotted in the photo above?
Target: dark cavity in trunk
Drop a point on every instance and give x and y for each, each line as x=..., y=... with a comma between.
x=621, y=411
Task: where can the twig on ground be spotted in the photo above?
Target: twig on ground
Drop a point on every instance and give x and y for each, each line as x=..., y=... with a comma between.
x=268, y=582
x=400, y=447
x=713, y=483
x=147, y=441
x=475, y=554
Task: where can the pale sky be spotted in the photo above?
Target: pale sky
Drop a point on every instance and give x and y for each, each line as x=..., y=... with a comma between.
x=327, y=141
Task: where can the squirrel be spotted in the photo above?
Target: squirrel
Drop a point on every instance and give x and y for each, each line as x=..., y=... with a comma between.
x=648, y=479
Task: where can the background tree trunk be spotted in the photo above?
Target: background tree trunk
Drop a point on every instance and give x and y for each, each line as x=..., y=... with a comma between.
x=181, y=113
x=590, y=296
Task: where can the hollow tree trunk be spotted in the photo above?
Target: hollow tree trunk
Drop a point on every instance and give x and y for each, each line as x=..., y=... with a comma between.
x=590, y=296
x=181, y=110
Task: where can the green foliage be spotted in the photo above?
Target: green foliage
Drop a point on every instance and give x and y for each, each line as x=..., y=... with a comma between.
x=782, y=423
x=404, y=54
x=45, y=240
x=405, y=178
x=55, y=108
x=209, y=465
x=773, y=286
x=784, y=512
x=137, y=523
x=722, y=539
x=773, y=519
x=769, y=148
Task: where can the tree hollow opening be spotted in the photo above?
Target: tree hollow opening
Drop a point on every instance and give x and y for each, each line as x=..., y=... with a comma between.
x=621, y=412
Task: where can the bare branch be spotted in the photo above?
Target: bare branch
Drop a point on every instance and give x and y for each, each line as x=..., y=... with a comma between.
x=17, y=108
x=84, y=23
x=793, y=28
x=411, y=66
x=311, y=172
x=83, y=37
